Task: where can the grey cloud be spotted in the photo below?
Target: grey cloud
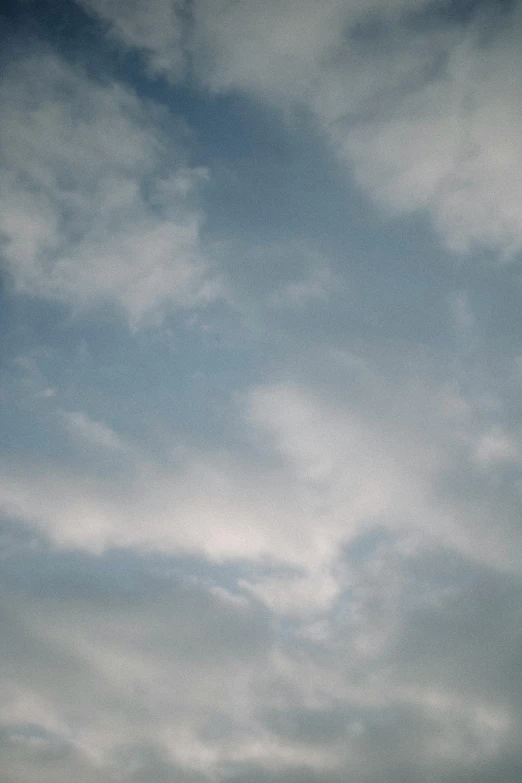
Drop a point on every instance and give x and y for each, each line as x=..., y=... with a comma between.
x=150, y=763
x=469, y=639
x=125, y=652
x=308, y=726
x=439, y=696
x=32, y=756
x=128, y=656
x=292, y=775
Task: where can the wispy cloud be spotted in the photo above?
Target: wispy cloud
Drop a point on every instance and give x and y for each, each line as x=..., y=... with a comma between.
x=156, y=30
x=92, y=432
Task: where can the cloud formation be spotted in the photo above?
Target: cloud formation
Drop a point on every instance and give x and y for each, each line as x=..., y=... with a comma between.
x=95, y=209
x=422, y=103
x=260, y=478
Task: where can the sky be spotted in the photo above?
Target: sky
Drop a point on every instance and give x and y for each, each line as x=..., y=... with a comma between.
x=261, y=391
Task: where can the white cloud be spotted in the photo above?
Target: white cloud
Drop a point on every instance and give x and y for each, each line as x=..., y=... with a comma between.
x=427, y=116
x=296, y=595
x=77, y=228
x=208, y=503
x=387, y=450
x=323, y=467
x=451, y=146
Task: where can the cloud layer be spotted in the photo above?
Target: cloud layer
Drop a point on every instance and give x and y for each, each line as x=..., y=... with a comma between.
x=261, y=474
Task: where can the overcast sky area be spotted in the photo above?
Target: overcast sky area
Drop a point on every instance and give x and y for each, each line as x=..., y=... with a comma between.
x=261, y=391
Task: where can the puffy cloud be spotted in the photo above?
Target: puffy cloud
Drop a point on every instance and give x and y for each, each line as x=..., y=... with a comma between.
x=451, y=144
x=95, y=210
x=420, y=102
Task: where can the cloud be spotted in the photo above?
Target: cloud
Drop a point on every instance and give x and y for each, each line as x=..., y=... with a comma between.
x=121, y=664
x=315, y=476
x=423, y=107
x=450, y=145
x=295, y=555
x=315, y=466
x=143, y=668
x=77, y=227
x=316, y=606
x=283, y=47
x=95, y=433
x=389, y=448
x=425, y=111
x=155, y=29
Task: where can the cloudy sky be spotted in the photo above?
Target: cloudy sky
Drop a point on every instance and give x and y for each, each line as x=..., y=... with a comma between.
x=261, y=391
